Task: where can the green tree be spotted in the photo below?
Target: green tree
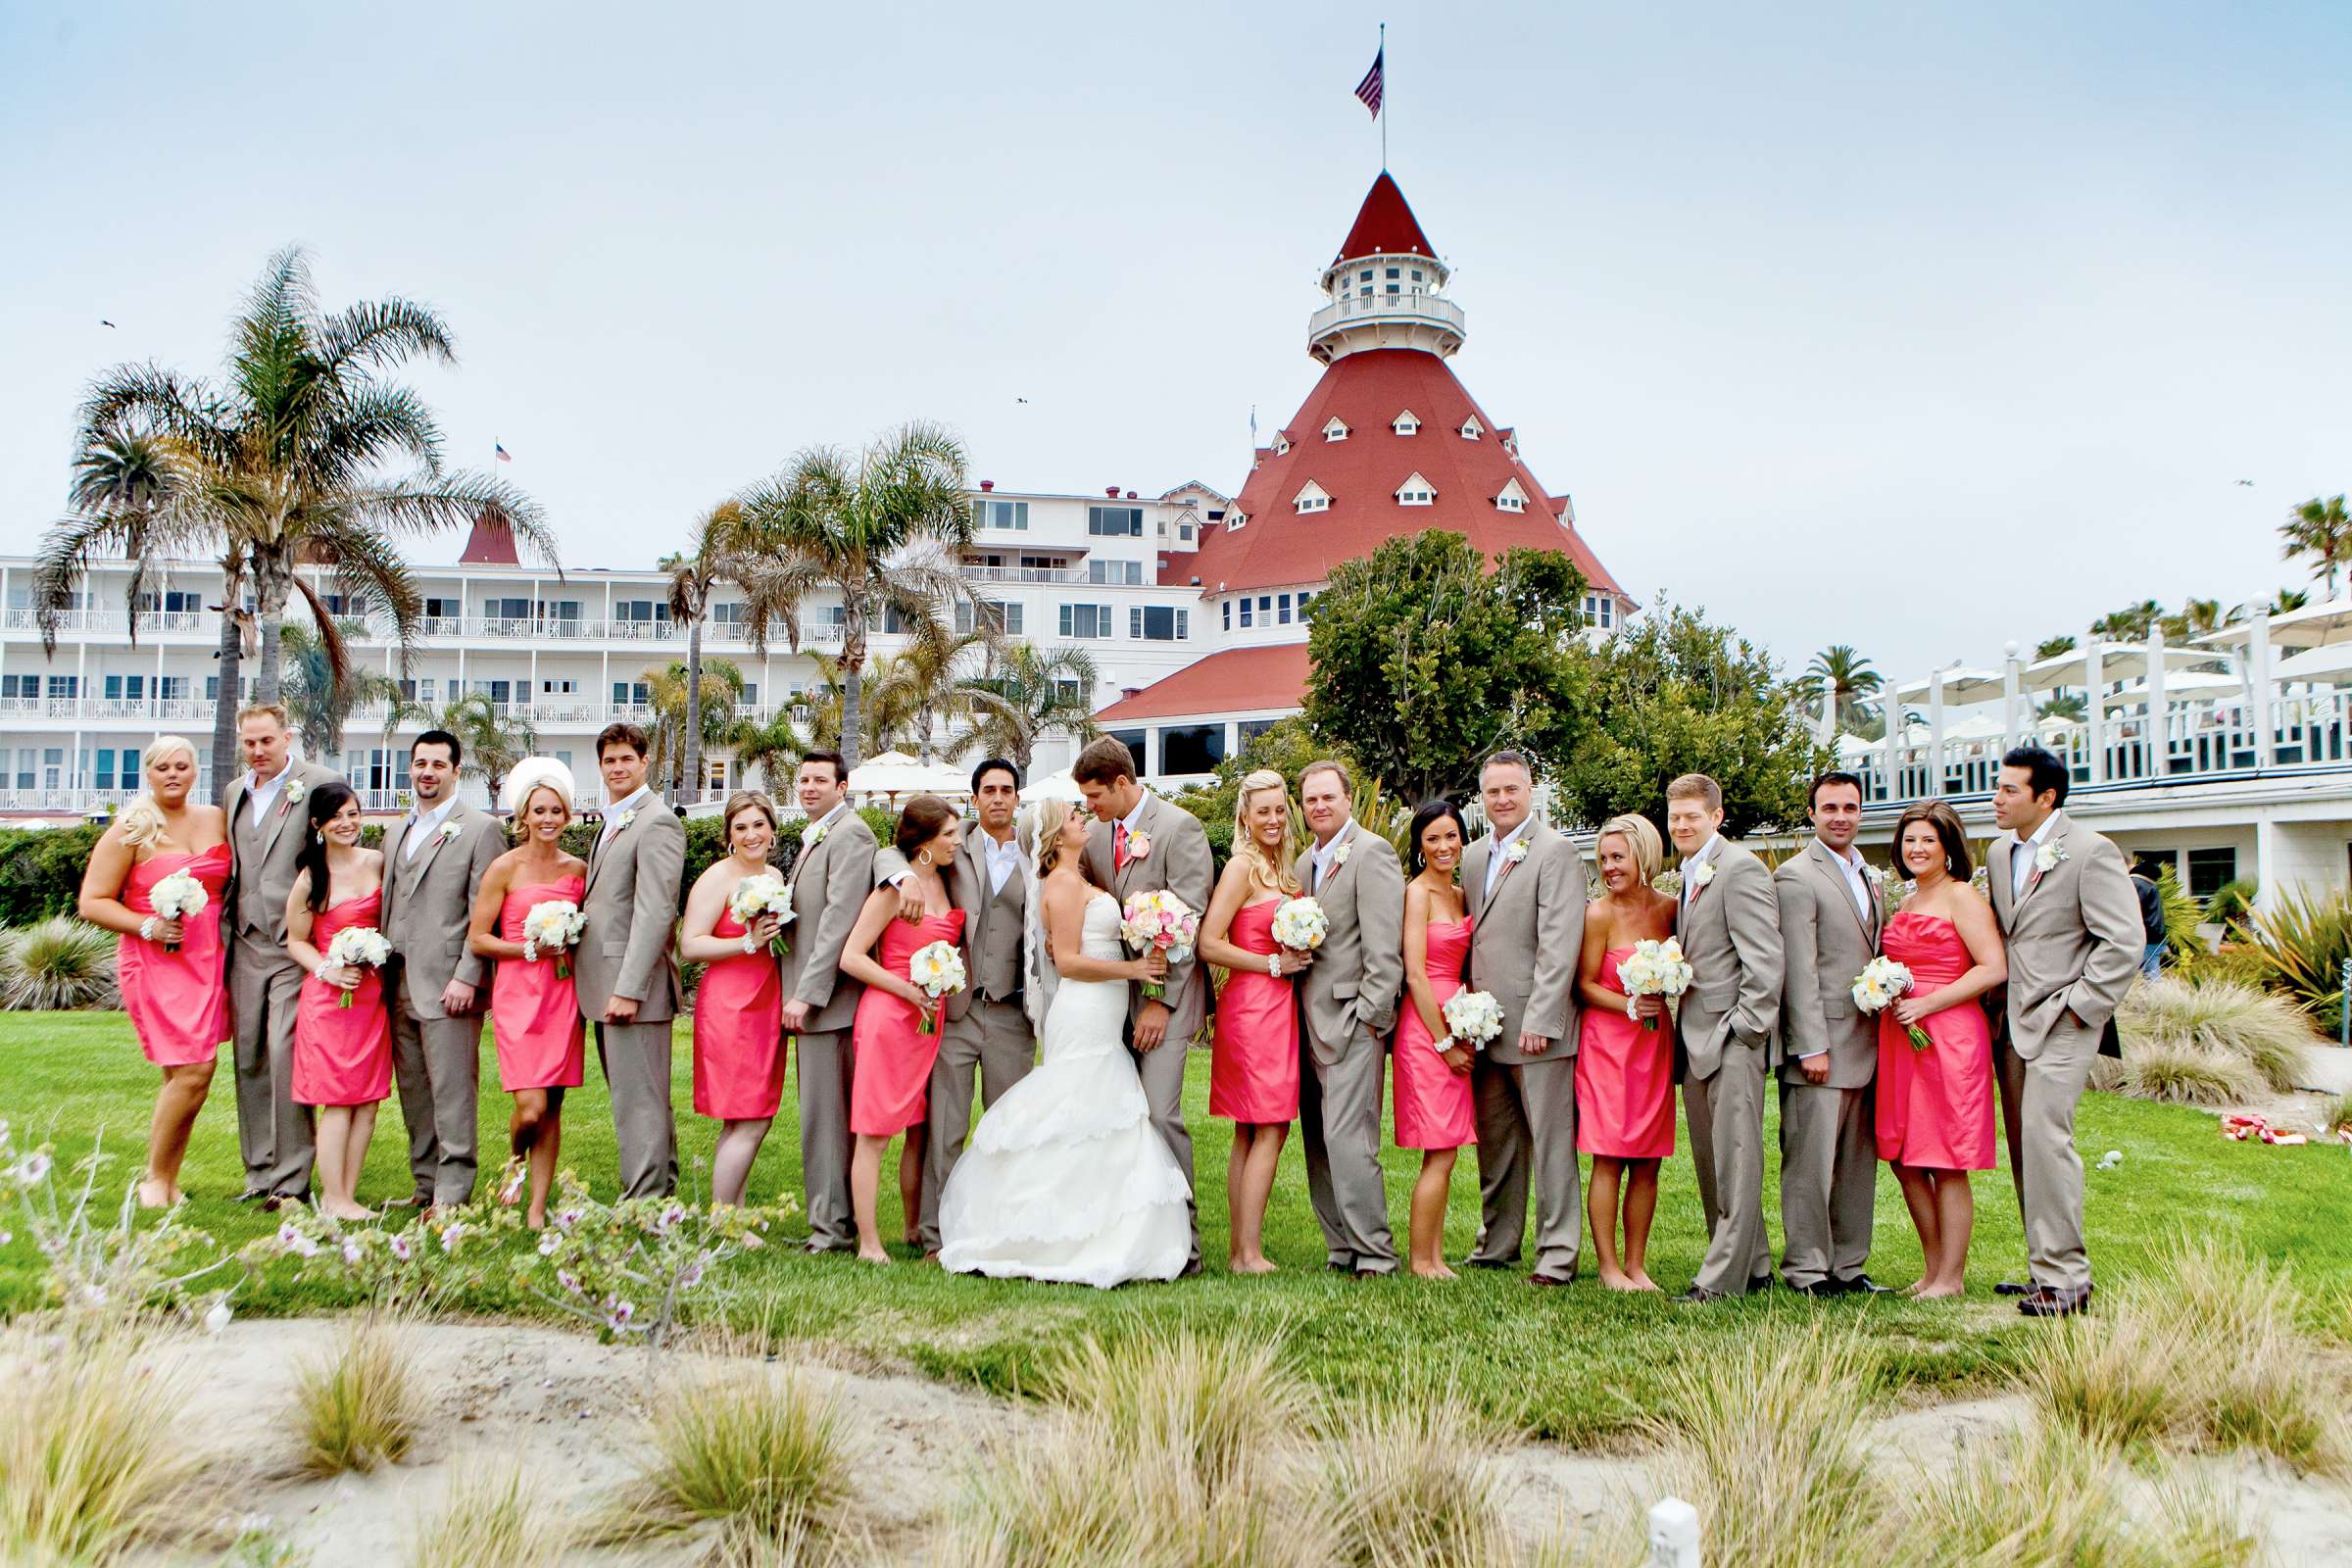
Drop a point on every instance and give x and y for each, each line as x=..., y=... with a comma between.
x=677, y=691
x=2129, y=624
x=1842, y=675
x=1025, y=694
x=694, y=575
x=1671, y=694
x=494, y=739
x=879, y=530
x=2195, y=617
x=321, y=703
x=917, y=690
x=2064, y=704
x=2321, y=530
x=2052, y=647
x=1424, y=661
x=281, y=464
x=773, y=746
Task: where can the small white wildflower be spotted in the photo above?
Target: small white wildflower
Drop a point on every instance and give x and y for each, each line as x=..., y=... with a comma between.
x=549, y=1242
x=216, y=1316
x=35, y=1166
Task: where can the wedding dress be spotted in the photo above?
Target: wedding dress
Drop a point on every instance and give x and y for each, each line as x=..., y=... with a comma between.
x=1065, y=1178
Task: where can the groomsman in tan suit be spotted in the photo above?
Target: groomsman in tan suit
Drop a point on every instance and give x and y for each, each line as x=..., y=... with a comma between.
x=625, y=970
x=1829, y=907
x=266, y=827
x=1730, y=926
x=831, y=877
x=986, y=1029
x=1524, y=887
x=2063, y=896
x=1347, y=1005
x=433, y=863
x=1140, y=844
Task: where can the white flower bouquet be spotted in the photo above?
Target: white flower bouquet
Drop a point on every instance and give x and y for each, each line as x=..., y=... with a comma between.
x=763, y=894
x=1655, y=968
x=175, y=897
x=1882, y=982
x=1159, y=920
x=358, y=947
x=1473, y=1017
x=1300, y=925
x=553, y=925
x=937, y=970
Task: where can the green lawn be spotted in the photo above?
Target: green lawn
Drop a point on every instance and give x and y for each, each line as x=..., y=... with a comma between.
x=1574, y=1364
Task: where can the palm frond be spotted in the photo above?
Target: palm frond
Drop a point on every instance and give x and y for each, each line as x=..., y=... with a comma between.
x=382, y=334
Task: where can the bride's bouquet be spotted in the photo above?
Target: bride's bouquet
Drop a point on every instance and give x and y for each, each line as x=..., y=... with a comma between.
x=1472, y=1017
x=1655, y=968
x=763, y=893
x=1159, y=921
x=175, y=897
x=358, y=947
x=937, y=970
x=553, y=927
x=1300, y=925
x=1879, y=985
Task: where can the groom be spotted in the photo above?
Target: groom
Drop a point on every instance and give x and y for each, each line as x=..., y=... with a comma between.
x=1138, y=844
x=2064, y=899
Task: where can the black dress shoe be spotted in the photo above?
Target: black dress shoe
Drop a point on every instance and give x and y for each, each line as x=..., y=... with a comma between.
x=1820, y=1290
x=1489, y=1263
x=1337, y=1268
x=1760, y=1283
x=2062, y=1301
x=1862, y=1285
x=2014, y=1287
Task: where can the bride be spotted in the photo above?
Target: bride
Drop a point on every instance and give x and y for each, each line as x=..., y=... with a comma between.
x=1065, y=1178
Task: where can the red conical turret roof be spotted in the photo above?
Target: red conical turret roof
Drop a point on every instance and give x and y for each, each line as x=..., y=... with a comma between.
x=1385, y=225
x=491, y=543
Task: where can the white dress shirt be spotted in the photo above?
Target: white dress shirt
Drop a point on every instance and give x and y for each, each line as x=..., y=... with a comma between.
x=1500, y=858
x=421, y=827
x=265, y=795
x=1002, y=859
x=635, y=801
x=1706, y=851
x=1850, y=862
x=1322, y=853
x=2021, y=858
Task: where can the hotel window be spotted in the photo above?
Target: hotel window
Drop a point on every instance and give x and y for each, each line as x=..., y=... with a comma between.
x=1305, y=598
x=1512, y=499
x=1282, y=445
x=1011, y=517
x=1116, y=523
x=1216, y=514
x=1417, y=278
x=508, y=608
x=25, y=761
x=559, y=688
x=625, y=693
x=1265, y=610
x=1282, y=608
x=125, y=688
x=1184, y=533
x=1157, y=623
x=1395, y=287
x=53, y=767
x=1335, y=430
x=106, y=767
x=1229, y=614
x=443, y=609
x=172, y=688
x=64, y=686
x=2210, y=870
x=1118, y=574
x=25, y=686
x=1312, y=499
x=1600, y=609
x=1245, y=609
x=748, y=695
x=733, y=612
x=1363, y=284
x=1405, y=423
x=1089, y=621
x=641, y=611
x=1416, y=492
x=1472, y=429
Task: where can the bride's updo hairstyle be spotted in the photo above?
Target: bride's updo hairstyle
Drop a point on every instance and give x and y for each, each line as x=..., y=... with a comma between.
x=1050, y=818
x=1263, y=872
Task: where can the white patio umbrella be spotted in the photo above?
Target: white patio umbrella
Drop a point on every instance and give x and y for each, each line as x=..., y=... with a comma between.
x=894, y=773
x=2186, y=683
x=2116, y=662
x=1053, y=787
x=1961, y=687
x=2312, y=626
x=2332, y=663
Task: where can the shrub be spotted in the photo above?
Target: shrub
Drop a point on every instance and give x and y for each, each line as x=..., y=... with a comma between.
x=360, y=1406
x=749, y=1447
x=2231, y=902
x=491, y=1520
x=2304, y=941
x=94, y=1451
x=60, y=963
x=1217, y=1404
x=2268, y=1032
x=2237, y=961
x=40, y=870
x=2182, y=916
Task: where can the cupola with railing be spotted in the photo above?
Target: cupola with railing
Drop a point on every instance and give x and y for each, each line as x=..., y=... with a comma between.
x=1384, y=286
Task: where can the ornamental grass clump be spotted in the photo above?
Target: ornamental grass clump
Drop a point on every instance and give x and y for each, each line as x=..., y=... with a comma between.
x=1416, y=1484
x=2178, y=1072
x=2303, y=942
x=362, y=1405
x=2269, y=1034
x=491, y=1520
x=94, y=1453
x=60, y=964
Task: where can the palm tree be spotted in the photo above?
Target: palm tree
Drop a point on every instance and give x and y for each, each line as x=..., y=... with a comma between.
x=493, y=740
x=1025, y=694
x=321, y=703
x=2321, y=530
x=773, y=746
x=2129, y=624
x=2063, y=704
x=919, y=689
x=692, y=575
x=2052, y=647
x=881, y=531
x=279, y=465
x=1841, y=675
x=677, y=691
x=2196, y=617
x=2289, y=599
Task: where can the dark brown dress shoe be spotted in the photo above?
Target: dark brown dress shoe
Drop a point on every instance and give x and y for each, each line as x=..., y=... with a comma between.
x=2061, y=1300
x=2014, y=1287
x=1550, y=1280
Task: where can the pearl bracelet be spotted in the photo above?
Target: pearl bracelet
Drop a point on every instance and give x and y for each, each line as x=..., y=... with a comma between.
x=147, y=929
x=1441, y=1044
x=1274, y=964
x=751, y=943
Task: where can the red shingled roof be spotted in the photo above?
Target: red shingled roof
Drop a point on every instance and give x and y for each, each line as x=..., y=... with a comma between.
x=1385, y=225
x=490, y=544
x=1278, y=547
x=1238, y=680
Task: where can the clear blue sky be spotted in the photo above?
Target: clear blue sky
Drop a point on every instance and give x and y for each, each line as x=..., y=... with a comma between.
x=1919, y=327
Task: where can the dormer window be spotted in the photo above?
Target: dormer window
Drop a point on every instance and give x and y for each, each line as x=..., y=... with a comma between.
x=1416, y=492
x=1336, y=429
x=1472, y=429
x=1282, y=445
x=1312, y=498
x=1512, y=498
x=1237, y=520
x=1406, y=424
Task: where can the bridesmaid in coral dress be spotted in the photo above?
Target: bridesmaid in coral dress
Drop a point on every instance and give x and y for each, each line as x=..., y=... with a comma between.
x=169, y=969
x=1934, y=1106
x=342, y=1034
x=1432, y=1087
x=891, y=1073
x=534, y=1015
x=739, y=1008
x=1623, y=1058
x=1253, y=1061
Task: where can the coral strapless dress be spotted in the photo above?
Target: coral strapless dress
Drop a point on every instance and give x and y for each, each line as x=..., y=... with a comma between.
x=177, y=1001
x=534, y=1016
x=738, y=1032
x=1624, y=1080
x=1934, y=1106
x=1253, y=1060
x=1433, y=1100
x=343, y=1055
x=890, y=1085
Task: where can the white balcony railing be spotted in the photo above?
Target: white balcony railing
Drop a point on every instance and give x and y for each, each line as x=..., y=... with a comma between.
x=1428, y=308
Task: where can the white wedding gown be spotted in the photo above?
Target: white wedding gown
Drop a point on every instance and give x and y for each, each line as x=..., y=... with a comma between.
x=1065, y=1178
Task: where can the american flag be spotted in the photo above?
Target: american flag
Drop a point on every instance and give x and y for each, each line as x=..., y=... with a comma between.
x=504, y=455
x=1368, y=89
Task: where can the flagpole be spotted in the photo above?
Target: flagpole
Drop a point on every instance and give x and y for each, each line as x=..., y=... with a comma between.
x=1383, y=97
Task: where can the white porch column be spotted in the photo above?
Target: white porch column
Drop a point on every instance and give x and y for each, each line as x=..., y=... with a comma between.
x=2159, y=722
x=2259, y=698
x=2095, y=714
x=1824, y=723
x=1891, y=709
x=1936, y=733
x=2012, y=684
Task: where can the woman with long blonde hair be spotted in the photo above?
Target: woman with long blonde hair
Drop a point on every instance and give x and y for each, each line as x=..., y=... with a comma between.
x=170, y=966
x=1253, y=1064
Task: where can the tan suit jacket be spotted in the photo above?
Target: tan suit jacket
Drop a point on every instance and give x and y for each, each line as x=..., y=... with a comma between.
x=1730, y=933
x=265, y=855
x=1826, y=941
x=1180, y=863
x=992, y=922
x=428, y=903
x=1352, y=987
x=2074, y=939
x=831, y=880
x=1523, y=941
x=629, y=948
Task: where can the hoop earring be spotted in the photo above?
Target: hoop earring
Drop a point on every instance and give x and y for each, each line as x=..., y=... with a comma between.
x=924, y=859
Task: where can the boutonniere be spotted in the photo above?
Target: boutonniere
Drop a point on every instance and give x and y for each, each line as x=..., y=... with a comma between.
x=291, y=796
x=1339, y=856
x=816, y=834
x=1139, y=846
x=1701, y=875
x=445, y=832
x=621, y=824
x=1875, y=875
x=2048, y=858
x=1516, y=853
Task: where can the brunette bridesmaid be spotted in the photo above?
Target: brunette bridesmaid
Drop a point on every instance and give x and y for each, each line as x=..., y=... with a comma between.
x=534, y=1016
x=1435, y=1112
x=1253, y=1060
x=1624, y=1063
x=739, y=1006
x=1934, y=1106
x=342, y=1034
x=170, y=969
x=891, y=1077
